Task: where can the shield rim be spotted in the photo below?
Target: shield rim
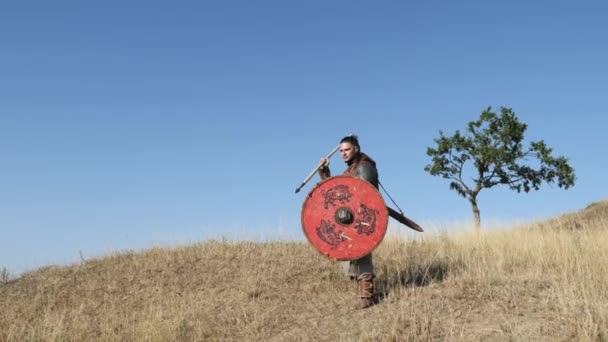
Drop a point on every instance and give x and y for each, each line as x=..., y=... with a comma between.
x=384, y=210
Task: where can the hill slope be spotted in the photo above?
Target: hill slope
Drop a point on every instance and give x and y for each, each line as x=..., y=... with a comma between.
x=514, y=285
x=587, y=218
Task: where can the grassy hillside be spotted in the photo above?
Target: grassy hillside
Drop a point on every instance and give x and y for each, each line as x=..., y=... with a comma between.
x=526, y=284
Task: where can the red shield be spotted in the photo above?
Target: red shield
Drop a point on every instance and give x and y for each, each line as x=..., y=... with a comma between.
x=344, y=218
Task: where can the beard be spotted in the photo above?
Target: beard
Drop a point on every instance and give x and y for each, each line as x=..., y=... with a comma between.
x=352, y=159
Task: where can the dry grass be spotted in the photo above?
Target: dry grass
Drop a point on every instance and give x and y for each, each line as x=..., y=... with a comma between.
x=526, y=284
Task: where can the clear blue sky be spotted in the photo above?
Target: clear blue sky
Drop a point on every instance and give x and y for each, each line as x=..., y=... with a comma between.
x=128, y=124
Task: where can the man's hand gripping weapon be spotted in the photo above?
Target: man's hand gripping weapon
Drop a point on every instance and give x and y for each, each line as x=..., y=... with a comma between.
x=318, y=168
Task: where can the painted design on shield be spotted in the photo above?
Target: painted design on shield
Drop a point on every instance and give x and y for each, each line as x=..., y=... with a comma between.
x=367, y=223
x=327, y=232
x=336, y=193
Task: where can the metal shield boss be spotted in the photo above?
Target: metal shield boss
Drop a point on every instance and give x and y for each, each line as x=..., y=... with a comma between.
x=344, y=218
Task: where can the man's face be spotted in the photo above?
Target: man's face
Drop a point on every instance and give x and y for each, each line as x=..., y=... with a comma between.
x=348, y=151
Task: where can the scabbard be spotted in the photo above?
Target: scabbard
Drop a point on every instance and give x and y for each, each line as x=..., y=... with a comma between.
x=402, y=219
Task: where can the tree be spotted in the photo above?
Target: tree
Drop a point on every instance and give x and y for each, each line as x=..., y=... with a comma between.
x=494, y=146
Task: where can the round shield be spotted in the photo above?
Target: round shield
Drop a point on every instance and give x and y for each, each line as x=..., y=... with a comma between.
x=344, y=218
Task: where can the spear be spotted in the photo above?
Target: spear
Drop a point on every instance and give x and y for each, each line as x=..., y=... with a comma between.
x=312, y=173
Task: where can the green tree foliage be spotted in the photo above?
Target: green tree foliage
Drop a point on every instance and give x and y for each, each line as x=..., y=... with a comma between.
x=494, y=145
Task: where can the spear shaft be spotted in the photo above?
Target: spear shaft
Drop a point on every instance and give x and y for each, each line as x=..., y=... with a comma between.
x=317, y=169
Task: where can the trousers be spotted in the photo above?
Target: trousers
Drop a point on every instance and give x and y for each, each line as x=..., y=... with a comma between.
x=355, y=268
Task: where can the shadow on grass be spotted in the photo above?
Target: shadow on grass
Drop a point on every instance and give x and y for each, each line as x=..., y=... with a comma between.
x=414, y=275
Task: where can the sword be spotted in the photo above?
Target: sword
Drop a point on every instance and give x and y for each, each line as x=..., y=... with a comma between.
x=318, y=167
x=401, y=218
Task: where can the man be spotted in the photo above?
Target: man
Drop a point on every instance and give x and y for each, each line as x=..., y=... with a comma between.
x=361, y=166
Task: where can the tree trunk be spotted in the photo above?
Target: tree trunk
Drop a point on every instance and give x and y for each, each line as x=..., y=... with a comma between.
x=476, y=213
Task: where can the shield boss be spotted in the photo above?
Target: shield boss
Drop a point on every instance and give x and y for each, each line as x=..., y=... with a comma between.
x=344, y=218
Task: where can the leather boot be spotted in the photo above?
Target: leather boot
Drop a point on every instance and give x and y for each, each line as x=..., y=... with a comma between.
x=365, y=284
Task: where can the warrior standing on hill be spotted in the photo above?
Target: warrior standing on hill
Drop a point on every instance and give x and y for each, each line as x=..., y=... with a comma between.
x=361, y=166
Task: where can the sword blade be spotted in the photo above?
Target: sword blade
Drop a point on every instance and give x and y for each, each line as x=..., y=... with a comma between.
x=402, y=219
